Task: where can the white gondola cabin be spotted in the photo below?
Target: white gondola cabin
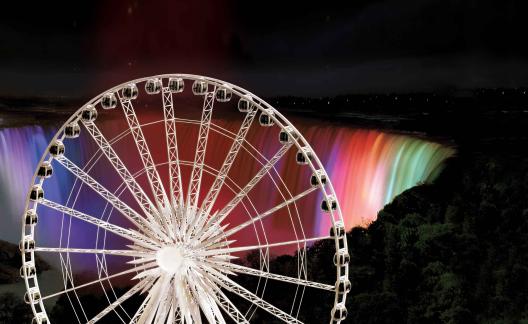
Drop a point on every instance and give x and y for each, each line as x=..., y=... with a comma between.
x=265, y=118
x=109, y=101
x=41, y=318
x=57, y=148
x=318, y=177
x=199, y=87
x=130, y=91
x=32, y=296
x=45, y=170
x=329, y=204
x=31, y=217
x=72, y=130
x=89, y=114
x=288, y=135
x=28, y=270
x=37, y=193
x=244, y=105
x=304, y=155
x=343, y=285
x=223, y=94
x=27, y=244
x=339, y=313
x=338, y=230
x=176, y=85
x=153, y=86
x=341, y=257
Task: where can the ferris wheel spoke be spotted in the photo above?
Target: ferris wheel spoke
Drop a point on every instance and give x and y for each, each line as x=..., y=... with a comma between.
x=212, y=295
x=118, y=230
x=183, y=300
x=132, y=291
x=154, y=300
x=122, y=273
x=176, y=187
x=228, y=162
x=201, y=145
x=261, y=216
x=149, y=227
x=140, y=311
x=129, y=253
x=165, y=300
x=237, y=289
x=230, y=308
x=171, y=318
x=141, y=197
x=146, y=157
x=206, y=302
x=259, y=273
x=262, y=246
x=178, y=318
x=222, y=214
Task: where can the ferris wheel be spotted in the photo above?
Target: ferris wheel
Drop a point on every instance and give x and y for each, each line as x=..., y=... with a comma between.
x=186, y=224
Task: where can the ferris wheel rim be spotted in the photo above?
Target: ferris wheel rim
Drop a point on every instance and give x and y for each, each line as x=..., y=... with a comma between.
x=260, y=104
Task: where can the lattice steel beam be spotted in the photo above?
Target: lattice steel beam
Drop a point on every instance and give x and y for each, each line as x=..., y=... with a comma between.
x=144, y=202
x=201, y=146
x=172, y=148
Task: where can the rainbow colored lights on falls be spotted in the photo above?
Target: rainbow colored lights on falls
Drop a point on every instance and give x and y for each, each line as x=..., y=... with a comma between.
x=368, y=168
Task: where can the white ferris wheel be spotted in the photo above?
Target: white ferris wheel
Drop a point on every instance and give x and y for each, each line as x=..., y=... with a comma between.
x=181, y=257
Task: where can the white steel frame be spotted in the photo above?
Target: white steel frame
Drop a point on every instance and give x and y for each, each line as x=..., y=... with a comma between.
x=175, y=220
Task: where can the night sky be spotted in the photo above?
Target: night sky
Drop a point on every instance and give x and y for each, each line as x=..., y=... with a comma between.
x=275, y=48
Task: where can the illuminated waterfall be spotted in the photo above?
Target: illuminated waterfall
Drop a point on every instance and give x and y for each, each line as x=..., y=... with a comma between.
x=368, y=169
x=20, y=151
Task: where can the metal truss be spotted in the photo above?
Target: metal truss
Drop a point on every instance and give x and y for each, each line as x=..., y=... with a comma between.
x=131, y=183
x=201, y=146
x=176, y=188
x=148, y=226
x=228, y=162
x=146, y=158
x=179, y=251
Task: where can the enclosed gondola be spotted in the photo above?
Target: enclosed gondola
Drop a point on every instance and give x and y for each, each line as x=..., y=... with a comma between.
x=57, y=148
x=304, y=155
x=176, y=85
x=89, y=114
x=36, y=193
x=244, y=105
x=153, y=86
x=223, y=94
x=109, y=100
x=130, y=91
x=199, y=87
x=31, y=217
x=45, y=170
x=318, y=178
x=72, y=130
x=339, y=313
x=265, y=118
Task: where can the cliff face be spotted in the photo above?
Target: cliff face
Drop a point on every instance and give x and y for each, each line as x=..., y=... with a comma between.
x=10, y=262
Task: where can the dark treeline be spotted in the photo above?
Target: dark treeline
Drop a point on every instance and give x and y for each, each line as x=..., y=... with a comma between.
x=455, y=251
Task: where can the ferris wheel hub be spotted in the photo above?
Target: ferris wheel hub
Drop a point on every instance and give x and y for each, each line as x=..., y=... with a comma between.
x=172, y=259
